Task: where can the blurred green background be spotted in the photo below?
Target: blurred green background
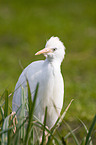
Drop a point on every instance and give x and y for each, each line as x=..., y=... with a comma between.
x=24, y=28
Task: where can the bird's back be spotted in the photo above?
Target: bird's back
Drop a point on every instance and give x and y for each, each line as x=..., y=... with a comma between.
x=29, y=73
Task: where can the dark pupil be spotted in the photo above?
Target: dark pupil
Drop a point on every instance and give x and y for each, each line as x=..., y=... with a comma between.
x=54, y=49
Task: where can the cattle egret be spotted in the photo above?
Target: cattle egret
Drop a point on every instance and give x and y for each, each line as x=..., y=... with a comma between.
x=51, y=87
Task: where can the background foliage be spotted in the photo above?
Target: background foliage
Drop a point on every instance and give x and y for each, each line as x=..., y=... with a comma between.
x=24, y=28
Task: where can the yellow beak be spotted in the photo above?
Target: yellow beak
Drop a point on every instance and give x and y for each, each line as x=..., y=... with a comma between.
x=44, y=51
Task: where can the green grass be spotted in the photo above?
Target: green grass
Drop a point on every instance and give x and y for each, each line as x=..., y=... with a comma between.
x=24, y=28
x=13, y=129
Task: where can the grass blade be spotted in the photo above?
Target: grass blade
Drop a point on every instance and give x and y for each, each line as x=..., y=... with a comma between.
x=30, y=141
x=84, y=139
x=22, y=114
x=59, y=121
x=84, y=125
x=74, y=136
x=2, y=113
x=66, y=136
x=61, y=117
x=29, y=98
x=16, y=136
x=5, y=130
x=19, y=127
x=43, y=137
x=90, y=130
x=2, y=96
x=6, y=104
x=31, y=114
x=51, y=135
x=5, y=127
x=9, y=137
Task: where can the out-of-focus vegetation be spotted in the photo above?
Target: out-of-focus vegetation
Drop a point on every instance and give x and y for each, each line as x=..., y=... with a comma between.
x=24, y=28
x=19, y=129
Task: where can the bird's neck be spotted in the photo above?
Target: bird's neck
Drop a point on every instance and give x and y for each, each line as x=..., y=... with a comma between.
x=54, y=63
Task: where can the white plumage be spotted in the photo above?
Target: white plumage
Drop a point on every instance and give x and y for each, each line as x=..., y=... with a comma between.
x=48, y=74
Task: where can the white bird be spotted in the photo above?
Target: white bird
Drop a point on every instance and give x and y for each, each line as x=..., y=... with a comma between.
x=51, y=87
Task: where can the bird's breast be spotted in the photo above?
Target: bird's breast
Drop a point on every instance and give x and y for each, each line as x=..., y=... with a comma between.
x=50, y=94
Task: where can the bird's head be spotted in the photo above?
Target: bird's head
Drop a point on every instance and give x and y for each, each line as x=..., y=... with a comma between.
x=54, y=50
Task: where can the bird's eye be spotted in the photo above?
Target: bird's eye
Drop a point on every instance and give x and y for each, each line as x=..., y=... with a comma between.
x=54, y=49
